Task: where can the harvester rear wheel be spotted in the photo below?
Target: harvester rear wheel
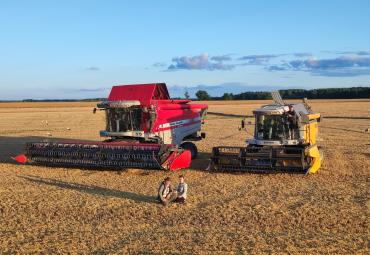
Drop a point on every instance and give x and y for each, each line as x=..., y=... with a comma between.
x=191, y=147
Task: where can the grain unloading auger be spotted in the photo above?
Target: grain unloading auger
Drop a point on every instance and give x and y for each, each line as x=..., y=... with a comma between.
x=284, y=141
x=144, y=129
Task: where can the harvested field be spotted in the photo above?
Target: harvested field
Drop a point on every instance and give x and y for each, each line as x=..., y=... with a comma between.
x=57, y=210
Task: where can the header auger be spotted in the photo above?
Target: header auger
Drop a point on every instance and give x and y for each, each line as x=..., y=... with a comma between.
x=284, y=141
x=144, y=129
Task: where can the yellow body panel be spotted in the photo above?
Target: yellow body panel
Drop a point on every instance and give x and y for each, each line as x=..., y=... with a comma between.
x=314, y=116
x=314, y=153
x=311, y=131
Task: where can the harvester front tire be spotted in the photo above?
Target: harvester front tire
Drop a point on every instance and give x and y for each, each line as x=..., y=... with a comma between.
x=191, y=147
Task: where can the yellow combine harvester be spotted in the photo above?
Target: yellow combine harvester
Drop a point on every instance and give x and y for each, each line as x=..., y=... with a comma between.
x=284, y=141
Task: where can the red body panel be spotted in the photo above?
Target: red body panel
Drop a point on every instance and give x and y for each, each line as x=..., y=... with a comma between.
x=175, y=106
x=171, y=116
x=144, y=93
x=178, y=161
x=22, y=159
x=120, y=143
x=172, y=101
x=156, y=96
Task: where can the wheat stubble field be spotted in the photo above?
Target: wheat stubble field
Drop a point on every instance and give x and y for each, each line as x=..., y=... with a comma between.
x=56, y=210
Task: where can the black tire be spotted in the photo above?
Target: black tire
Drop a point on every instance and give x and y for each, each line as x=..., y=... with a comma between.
x=191, y=147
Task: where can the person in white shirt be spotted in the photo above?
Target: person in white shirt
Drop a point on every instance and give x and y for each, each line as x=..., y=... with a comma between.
x=165, y=192
x=182, y=189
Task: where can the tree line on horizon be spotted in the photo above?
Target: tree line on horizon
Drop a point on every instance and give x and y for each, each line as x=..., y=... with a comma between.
x=324, y=93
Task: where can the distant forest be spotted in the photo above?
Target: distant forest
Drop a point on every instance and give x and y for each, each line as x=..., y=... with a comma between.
x=325, y=93
x=330, y=93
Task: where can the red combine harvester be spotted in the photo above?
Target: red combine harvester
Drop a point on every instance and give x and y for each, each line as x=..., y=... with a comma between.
x=144, y=129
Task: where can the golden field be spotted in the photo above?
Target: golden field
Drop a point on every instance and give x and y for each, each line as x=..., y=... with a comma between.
x=56, y=210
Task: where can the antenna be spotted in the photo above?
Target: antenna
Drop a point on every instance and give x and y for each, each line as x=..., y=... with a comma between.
x=277, y=98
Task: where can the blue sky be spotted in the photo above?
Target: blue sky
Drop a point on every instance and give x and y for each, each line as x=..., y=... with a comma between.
x=79, y=49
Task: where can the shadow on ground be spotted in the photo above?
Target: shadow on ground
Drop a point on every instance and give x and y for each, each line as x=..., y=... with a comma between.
x=348, y=117
x=343, y=129
x=90, y=189
x=221, y=114
x=13, y=146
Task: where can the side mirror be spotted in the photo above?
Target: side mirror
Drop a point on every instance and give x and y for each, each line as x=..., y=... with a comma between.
x=94, y=110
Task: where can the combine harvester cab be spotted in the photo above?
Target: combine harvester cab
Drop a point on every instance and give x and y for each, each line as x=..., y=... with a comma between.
x=284, y=141
x=145, y=128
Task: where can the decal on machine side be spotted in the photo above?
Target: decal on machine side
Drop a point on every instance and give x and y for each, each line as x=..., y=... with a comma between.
x=179, y=123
